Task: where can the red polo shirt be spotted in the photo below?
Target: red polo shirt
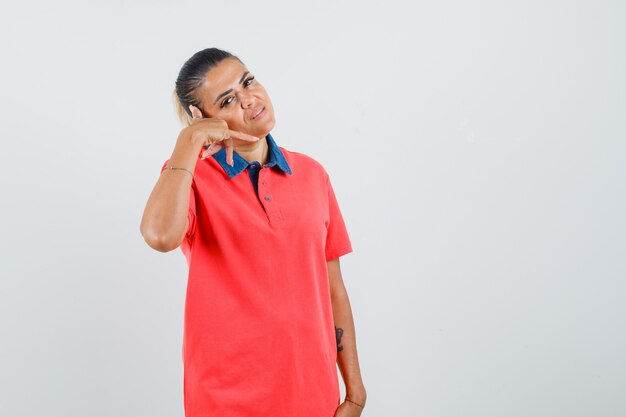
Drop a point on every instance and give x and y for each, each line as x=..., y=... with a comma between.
x=259, y=336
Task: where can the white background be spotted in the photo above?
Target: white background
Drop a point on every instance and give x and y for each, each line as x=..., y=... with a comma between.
x=476, y=150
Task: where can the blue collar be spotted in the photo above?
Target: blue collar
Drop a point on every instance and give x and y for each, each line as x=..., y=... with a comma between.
x=276, y=157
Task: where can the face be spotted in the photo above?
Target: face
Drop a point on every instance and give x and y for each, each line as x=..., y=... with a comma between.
x=231, y=93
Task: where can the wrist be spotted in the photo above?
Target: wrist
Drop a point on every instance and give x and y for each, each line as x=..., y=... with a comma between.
x=357, y=394
x=186, y=153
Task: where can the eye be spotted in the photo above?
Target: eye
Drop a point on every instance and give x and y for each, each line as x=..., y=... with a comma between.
x=226, y=102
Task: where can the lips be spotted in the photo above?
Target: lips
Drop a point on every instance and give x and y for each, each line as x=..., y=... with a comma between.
x=257, y=111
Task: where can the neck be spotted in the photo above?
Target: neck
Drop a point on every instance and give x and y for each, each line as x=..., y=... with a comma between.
x=256, y=151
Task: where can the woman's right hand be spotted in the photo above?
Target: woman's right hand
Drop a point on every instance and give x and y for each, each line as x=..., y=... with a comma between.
x=214, y=134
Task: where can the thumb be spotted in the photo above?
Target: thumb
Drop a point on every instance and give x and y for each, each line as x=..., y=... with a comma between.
x=195, y=112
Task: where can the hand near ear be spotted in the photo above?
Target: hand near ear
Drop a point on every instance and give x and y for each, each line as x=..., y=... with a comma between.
x=214, y=135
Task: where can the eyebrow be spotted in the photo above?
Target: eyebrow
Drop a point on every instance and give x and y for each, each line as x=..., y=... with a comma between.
x=230, y=89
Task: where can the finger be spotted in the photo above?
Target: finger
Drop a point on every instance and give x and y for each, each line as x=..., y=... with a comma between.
x=243, y=136
x=195, y=112
x=229, y=152
x=217, y=136
x=212, y=150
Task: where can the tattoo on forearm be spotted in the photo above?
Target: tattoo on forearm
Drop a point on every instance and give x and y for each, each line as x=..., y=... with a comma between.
x=338, y=334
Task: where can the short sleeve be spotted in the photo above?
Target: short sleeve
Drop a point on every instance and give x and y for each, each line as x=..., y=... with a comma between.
x=192, y=207
x=337, y=239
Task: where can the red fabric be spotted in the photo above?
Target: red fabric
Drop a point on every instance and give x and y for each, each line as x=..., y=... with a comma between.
x=259, y=337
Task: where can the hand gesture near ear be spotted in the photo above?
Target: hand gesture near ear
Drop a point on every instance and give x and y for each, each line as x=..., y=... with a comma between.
x=214, y=135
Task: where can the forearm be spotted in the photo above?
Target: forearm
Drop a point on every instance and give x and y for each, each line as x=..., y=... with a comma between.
x=166, y=212
x=347, y=357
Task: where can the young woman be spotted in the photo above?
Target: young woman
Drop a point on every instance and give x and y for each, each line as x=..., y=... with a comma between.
x=267, y=316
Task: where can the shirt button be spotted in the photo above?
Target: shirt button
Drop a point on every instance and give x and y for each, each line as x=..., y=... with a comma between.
x=267, y=197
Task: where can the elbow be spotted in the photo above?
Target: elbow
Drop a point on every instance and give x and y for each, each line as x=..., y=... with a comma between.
x=162, y=245
x=159, y=241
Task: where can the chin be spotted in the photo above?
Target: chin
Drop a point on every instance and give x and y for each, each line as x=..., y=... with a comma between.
x=262, y=130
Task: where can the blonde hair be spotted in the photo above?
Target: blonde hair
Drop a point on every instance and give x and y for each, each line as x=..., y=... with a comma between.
x=184, y=118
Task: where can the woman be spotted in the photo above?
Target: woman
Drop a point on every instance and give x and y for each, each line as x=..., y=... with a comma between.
x=267, y=316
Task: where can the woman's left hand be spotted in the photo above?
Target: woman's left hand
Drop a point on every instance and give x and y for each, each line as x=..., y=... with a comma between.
x=348, y=409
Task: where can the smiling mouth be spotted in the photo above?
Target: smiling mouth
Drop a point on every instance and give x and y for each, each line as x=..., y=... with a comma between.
x=259, y=112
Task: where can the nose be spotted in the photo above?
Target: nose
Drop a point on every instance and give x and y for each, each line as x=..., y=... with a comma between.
x=246, y=100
